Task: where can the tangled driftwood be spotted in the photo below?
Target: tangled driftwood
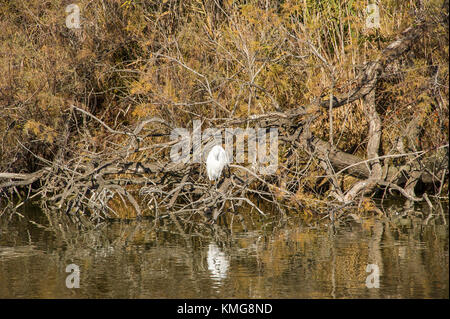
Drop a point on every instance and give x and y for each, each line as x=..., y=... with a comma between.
x=87, y=183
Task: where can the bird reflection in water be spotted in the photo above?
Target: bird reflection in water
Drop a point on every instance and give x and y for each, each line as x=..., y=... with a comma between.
x=218, y=262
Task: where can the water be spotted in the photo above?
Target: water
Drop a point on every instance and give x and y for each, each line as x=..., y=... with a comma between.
x=274, y=258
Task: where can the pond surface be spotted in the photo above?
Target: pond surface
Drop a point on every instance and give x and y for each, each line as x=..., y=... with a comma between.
x=273, y=258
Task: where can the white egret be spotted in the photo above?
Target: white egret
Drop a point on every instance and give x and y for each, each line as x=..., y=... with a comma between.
x=215, y=162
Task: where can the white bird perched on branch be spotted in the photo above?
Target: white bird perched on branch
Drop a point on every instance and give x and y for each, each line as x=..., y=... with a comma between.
x=215, y=162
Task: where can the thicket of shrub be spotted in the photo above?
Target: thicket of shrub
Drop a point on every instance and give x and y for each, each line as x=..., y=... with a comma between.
x=183, y=59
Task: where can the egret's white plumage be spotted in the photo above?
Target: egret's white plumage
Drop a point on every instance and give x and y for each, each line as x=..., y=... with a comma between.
x=215, y=162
